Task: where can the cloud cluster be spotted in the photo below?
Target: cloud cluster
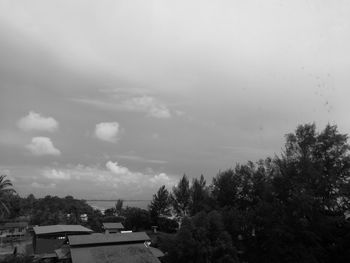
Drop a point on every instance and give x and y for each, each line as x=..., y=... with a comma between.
x=36, y=122
x=148, y=104
x=42, y=146
x=107, y=131
x=56, y=174
x=124, y=175
x=119, y=170
x=111, y=179
x=145, y=104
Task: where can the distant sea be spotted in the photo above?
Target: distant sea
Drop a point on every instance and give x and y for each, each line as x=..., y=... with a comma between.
x=103, y=205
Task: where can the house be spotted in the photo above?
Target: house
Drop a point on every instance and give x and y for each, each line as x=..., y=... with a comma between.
x=14, y=228
x=111, y=228
x=13, y=231
x=47, y=239
x=121, y=248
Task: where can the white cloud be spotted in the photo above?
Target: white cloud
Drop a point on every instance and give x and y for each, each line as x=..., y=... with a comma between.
x=109, y=181
x=127, y=177
x=107, y=131
x=115, y=168
x=148, y=104
x=56, y=174
x=162, y=179
x=36, y=122
x=42, y=146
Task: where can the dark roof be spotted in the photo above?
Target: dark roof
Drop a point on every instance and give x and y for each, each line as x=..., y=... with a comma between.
x=113, y=226
x=42, y=230
x=100, y=239
x=130, y=253
x=47, y=246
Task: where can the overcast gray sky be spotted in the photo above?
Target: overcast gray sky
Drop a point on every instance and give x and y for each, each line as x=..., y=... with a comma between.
x=112, y=99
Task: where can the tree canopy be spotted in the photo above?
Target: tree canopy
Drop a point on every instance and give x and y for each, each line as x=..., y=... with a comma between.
x=290, y=208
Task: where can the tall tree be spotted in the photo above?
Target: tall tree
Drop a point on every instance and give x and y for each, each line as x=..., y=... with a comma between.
x=199, y=195
x=5, y=190
x=225, y=188
x=181, y=197
x=160, y=204
x=119, y=206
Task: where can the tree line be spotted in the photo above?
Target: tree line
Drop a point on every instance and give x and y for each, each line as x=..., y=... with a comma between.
x=290, y=208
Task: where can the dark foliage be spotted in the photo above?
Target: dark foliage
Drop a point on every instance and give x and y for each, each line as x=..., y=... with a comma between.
x=136, y=219
x=181, y=197
x=160, y=205
x=286, y=209
x=167, y=225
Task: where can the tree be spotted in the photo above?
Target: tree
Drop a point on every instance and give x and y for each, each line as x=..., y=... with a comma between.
x=110, y=212
x=317, y=165
x=136, y=219
x=225, y=187
x=5, y=190
x=309, y=187
x=181, y=197
x=160, y=205
x=290, y=208
x=202, y=238
x=199, y=195
x=119, y=206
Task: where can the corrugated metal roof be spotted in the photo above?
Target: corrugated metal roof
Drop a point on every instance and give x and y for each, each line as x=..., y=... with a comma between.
x=42, y=230
x=113, y=225
x=131, y=253
x=97, y=239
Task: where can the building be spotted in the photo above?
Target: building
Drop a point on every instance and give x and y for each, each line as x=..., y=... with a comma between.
x=14, y=228
x=112, y=228
x=121, y=248
x=47, y=239
x=13, y=231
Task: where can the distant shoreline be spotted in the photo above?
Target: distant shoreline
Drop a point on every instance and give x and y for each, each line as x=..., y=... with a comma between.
x=105, y=204
x=115, y=200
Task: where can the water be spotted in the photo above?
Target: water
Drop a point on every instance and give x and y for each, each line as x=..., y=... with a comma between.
x=103, y=205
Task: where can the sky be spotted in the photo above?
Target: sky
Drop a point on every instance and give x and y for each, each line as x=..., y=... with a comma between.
x=112, y=99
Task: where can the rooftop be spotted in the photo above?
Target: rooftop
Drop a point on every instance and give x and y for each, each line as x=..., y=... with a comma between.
x=15, y=225
x=113, y=225
x=102, y=239
x=126, y=253
x=42, y=230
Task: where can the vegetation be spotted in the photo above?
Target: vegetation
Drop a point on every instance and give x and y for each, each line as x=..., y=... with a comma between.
x=289, y=208
x=5, y=191
x=160, y=205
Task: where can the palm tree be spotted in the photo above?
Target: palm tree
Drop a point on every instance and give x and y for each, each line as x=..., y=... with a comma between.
x=5, y=190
